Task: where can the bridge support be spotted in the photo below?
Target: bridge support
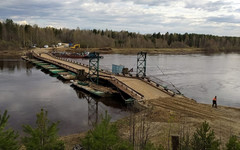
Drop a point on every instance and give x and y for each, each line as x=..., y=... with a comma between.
x=141, y=64
x=92, y=111
x=94, y=67
x=81, y=75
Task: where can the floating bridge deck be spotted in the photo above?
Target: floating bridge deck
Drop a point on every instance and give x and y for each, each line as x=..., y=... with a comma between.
x=139, y=89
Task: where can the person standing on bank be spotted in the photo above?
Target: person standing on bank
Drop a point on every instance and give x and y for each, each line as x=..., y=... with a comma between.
x=214, y=102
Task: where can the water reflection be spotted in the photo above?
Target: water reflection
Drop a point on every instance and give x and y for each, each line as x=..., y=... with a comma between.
x=11, y=65
x=95, y=105
x=29, y=67
x=26, y=90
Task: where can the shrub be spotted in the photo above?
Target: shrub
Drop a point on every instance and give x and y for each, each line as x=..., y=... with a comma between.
x=8, y=138
x=233, y=143
x=204, y=138
x=104, y=136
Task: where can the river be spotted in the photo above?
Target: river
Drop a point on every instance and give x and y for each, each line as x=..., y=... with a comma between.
x=24, y=89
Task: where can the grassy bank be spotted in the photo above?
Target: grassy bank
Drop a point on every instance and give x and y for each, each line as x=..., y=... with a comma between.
x=136, y=50
x=156, y=50
x=12, y=53
x=175, y=116
x=174, y=51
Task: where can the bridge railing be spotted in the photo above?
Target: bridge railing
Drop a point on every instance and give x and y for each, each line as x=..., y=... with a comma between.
x=162, y=85
x=124, y=87
x=133, y=92
x=102, y=70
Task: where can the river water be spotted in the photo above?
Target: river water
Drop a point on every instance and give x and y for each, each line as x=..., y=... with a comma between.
x=24, y=89
x=197, y=76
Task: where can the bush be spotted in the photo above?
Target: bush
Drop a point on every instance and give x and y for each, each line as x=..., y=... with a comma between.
x=44, y=137
x=8, y=138
x=104, y=136
x=233, y=143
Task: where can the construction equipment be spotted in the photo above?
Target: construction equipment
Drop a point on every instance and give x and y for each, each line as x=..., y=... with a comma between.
x=75, y=46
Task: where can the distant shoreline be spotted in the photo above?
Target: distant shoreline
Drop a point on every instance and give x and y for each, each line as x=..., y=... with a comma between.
x=114, y=51
x=125, y=51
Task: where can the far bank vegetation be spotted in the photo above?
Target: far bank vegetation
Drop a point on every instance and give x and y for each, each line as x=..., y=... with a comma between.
x=15, y=36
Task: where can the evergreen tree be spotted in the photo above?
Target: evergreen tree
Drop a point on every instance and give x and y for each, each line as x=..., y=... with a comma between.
x=104, y=136
x=44, y=137
x=204, y=138
x=8, y=138
x=233, y=143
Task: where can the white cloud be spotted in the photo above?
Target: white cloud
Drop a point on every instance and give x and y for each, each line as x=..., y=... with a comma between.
x=24, y=22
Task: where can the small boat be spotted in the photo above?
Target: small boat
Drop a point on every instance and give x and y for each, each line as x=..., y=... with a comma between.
x=75, y=55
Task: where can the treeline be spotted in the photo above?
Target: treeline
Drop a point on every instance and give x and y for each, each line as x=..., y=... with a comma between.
x=14, y=35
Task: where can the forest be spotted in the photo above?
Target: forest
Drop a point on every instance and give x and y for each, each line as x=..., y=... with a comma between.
x=16, y=36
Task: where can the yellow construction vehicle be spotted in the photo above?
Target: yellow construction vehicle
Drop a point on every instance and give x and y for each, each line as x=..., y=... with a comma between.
x=75, y=46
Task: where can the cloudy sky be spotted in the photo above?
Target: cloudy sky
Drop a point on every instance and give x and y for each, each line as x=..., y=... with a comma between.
x=218, y=17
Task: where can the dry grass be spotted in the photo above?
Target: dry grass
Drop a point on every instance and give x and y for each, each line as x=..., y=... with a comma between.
x=136, y=50
x=72, y=140
x=158, y=50
x=175, y=115
x=183, y=114
x=11, y=53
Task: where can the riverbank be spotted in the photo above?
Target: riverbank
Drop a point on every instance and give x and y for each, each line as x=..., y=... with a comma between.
x=177, y=116
x=18, y=53
x=136, y=50
x=153, y=50
x=11, y=53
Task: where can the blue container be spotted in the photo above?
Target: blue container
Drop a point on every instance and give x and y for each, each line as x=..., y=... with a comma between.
x=117, y=68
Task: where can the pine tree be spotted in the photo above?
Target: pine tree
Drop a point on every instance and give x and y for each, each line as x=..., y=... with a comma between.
x=8, y=138
x=104, y=136
x=44, y=137
x=233, y=143
x=204, y=138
